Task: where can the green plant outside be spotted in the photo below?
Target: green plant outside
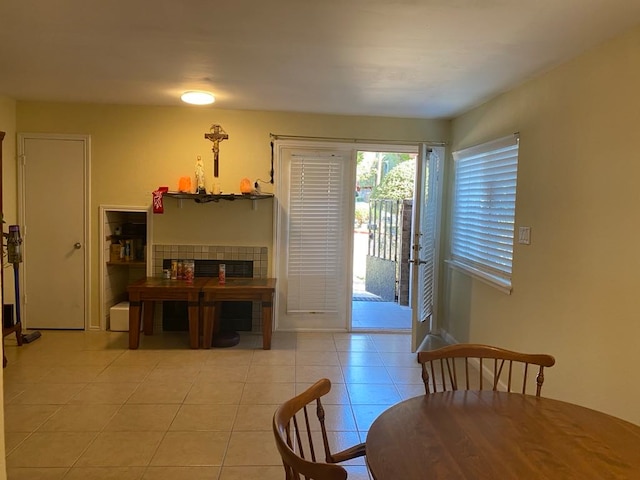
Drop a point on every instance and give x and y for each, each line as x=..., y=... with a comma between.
x=398, y=183
x=362, y=213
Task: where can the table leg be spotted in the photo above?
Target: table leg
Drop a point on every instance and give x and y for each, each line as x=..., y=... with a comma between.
x=208, y=316
x=148, y=309
x=267, y=323
x=194, y=323
x=134, y=323
x=211, y=323
x=216, y=318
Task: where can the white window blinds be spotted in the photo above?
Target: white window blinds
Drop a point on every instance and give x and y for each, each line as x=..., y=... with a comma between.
x=315, y=263
x=484, y=209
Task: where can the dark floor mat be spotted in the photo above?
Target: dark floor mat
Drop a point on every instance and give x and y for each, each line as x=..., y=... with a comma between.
x=367, y=299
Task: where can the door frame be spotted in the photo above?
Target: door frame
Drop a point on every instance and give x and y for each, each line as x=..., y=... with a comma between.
x=86, y=140
x=410, y=148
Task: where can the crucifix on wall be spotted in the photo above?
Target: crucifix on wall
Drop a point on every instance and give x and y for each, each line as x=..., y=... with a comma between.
x=216, y=135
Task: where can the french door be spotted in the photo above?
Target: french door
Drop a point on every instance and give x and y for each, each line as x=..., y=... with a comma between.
x=425, y=244
x=314, y=234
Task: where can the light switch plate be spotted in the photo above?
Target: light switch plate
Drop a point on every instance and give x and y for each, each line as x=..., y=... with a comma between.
x=524, y=235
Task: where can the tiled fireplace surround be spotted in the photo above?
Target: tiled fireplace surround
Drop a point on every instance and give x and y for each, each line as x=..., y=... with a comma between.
x=258, y=255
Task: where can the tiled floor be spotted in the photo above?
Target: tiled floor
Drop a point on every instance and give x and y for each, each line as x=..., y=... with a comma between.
x=80, y=405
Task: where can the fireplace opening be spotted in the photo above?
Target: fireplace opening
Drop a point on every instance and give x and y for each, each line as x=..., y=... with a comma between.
x=234, y=316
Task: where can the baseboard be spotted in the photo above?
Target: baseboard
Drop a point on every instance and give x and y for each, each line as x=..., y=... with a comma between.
x=447, y=337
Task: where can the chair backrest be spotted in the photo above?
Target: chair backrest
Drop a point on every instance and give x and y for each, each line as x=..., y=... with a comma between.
x=293, y=427
x=478, y=367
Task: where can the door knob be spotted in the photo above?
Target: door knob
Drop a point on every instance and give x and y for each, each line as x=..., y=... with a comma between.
x=77, y=245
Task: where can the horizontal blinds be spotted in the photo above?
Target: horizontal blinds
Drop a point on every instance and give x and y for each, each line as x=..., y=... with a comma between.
x=484, y=206
x=316, y=241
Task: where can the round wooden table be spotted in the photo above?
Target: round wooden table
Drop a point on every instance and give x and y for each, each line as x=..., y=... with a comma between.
x=495, y=435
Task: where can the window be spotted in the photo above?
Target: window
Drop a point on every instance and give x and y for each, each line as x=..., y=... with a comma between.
x=484, y=201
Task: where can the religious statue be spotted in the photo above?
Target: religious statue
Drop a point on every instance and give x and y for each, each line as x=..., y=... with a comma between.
x=216, y=135
x=200, y=176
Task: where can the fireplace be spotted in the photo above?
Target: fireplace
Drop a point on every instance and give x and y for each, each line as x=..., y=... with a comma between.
x=234, y=316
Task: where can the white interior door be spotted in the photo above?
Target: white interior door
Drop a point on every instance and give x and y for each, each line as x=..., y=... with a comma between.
x=314, y=236
x=53, y=174
x=424, y=249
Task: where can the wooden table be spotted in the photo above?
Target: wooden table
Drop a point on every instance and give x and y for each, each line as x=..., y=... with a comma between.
x=151, y=289
x=237, y=289
x=494, y=435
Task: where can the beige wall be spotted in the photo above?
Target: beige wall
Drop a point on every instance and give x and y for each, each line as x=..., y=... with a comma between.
x=7, y=125
x=137, y=149
x=575, y=288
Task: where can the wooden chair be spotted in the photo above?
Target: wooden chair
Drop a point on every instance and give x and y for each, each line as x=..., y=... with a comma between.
x=474, y=367
x=294, y=426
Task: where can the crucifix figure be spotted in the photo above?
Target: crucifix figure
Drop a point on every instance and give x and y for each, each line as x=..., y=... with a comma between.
x=216, y=135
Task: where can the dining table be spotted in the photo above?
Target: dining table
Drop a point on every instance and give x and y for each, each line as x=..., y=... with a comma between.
x=498, y=435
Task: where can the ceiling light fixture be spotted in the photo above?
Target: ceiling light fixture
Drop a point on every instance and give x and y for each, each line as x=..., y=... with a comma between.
x=195, y=97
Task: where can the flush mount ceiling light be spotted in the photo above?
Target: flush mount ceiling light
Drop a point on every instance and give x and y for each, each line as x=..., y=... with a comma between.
x=195, y=97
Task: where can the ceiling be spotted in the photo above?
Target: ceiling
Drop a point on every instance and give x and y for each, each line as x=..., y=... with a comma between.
x=402, y=58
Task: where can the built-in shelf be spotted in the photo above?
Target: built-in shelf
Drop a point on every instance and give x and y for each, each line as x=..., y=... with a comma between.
x=119, y=225
x=117, y=238
x=132, y=263
x=210, y=197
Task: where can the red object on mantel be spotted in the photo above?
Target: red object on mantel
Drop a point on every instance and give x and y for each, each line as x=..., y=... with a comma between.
x=158, y=207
